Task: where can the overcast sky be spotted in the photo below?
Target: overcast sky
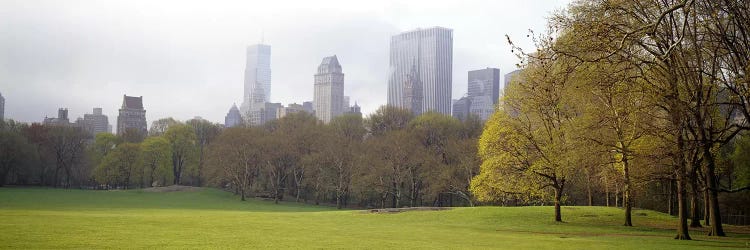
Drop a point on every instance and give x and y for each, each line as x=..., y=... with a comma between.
x=187, y=58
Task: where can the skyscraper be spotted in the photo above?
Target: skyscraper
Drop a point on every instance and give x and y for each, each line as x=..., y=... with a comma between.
x=60, y=120
x=345, y=104
x=233, y=117
x=132, y=115
x=257, y=78
x=508, y=77
x=484, y=92
x=329, y=89
x=413, y=93
x=96, y=122
x=430, y=51
x=2, y=107
x=308, y=107
x=292, y=108
x=461, y=108
x=354, y=110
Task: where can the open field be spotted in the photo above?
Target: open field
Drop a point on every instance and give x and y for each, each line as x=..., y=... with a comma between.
x=208, y=218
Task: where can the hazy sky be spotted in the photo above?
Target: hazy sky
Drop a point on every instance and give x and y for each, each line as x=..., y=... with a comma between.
x=187, y=58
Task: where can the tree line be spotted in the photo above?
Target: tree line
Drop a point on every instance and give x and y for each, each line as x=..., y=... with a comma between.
x=389, y=159
x=633, y=96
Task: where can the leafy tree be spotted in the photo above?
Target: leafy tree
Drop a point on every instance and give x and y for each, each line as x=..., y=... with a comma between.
x=67, y=144
x=291, y=139
x=534, y=149
x=133, y=135
x=388, y=118
x=741, y=159
x=156, y=157
x=16, y=154
x=205, y=132
x=697, y=91
x=455, y=179
x=39, y=136
x=119, y=166
x=397, y=161
x=236, y=158
x=342, y=148
x=159, y=127
x=103, y=144
x=182, y=144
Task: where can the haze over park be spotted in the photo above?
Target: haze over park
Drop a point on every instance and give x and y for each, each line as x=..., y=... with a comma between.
x=586, y=124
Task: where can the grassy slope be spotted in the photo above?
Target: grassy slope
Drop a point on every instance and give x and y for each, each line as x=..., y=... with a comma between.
x=47, y=218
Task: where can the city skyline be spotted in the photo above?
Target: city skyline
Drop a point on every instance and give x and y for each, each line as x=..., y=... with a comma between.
x=199, y=71
x=427, y=53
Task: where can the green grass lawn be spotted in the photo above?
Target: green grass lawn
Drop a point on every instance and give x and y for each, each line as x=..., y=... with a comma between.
x=58, y=219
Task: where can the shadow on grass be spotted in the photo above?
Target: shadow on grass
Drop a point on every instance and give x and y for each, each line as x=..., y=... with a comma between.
x=205, y=199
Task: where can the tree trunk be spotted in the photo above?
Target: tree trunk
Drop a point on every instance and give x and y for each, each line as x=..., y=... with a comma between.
x=277, y=192
x=394, y=202
x=713, y=202
x=626, y=199
x=200, y=166
x=670, y=200
x=57, y=171
x=606, y=190
x=4, y=174
x=558, y=196
x=682, y=226
x=706, y=209
x=338, y=201
x=588, y=191
x=242, y=194
x=695, y=220
x=67, y=177
x=617, y=195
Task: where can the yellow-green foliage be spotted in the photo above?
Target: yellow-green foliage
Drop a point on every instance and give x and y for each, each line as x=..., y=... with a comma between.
x=498, y=176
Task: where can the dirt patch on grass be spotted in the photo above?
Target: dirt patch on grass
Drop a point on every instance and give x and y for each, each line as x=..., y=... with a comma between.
x=405, y=209
x=173, y=188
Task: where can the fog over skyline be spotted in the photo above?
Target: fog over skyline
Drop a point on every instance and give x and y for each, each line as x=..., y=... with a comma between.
x=187, y=58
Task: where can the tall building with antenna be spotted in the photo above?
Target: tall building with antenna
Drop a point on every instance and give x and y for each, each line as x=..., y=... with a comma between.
x=257, y=78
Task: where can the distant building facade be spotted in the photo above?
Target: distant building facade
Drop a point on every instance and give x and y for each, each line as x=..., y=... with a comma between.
x=60, y=120
x=289, y=109
x=430, y=51
x=270, y=111
x=308, y=107
x=132, y=115
x=354, y=110
x=507, y=80
x=329, y=90
x=257, y=78
x=233, y=117
x=484, y=92
x=262, y=113
x=96, y=122
x=508, y=77
x=461, y=108
x=413, y=93
x=345, y=104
